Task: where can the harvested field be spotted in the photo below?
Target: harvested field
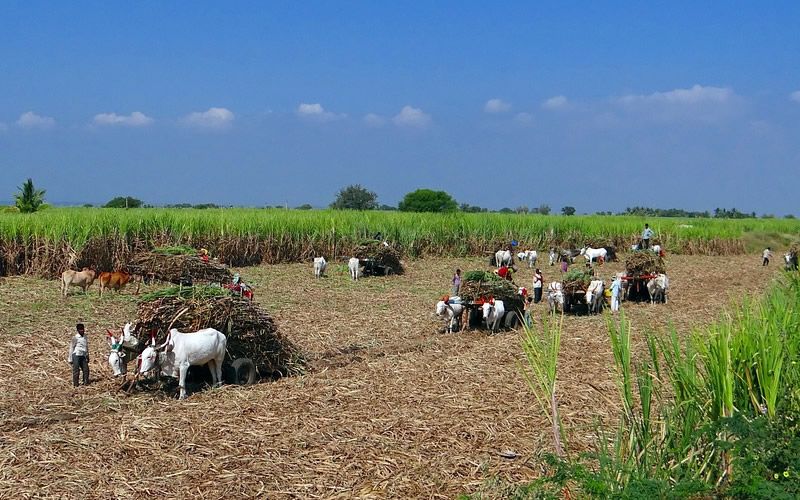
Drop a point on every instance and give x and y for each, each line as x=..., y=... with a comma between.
x=389, y=407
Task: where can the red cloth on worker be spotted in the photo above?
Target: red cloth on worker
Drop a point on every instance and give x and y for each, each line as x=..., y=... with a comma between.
x=502, y=272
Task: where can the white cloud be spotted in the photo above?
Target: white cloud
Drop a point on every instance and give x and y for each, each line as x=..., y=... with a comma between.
x=412, y=117
x=695, y=104
x=135, y=119
x=214, y=118
x=32, y=120
x=795, y=96
x=524, y=118
x=557, y=102
x=373, y=120
x=496, y=106
x=694, y=95
x=317, y=112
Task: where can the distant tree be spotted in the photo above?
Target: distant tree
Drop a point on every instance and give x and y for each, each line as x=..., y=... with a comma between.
x=355, y=197
x=29, y=199
x=543, y=209
x=305, y=206
x=204, y=205
x=522, y=209
x=506, y=210
x=87, y=205
x=466, y=207
x=427, y=200
x=568, y=210
x=387, y=207
x=788, y=216
x=124, y=202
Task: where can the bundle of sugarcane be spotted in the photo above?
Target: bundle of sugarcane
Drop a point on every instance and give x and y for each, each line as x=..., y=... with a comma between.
x=381, y=254
x=483, y=285
x=250, y=331
x=644, y=262
x=576, y=280
x=177, y=268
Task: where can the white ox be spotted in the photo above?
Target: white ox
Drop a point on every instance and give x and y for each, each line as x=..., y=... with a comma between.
x=555, y=297
x=116, y=358
x=83, y=279
x=451, y=312
x=592, y=254
x=353, y=264
x=657, y=288
x=182, y=350
x=553, y=256
x=502, y=257
x=493, y=313
x=594, y=296
x=320, y=264
x=530, y=255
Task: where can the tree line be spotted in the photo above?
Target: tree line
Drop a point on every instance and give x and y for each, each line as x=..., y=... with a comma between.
x=356, y=197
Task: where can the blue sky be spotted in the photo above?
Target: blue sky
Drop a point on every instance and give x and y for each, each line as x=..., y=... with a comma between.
x=599, y=105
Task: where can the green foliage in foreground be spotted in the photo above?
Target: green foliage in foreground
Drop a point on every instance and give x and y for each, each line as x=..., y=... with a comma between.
x=450, y=232
x=717, y=414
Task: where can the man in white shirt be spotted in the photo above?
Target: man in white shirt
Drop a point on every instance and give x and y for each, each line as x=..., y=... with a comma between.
x=646, y=235
x=79, y=355
x=766, y=254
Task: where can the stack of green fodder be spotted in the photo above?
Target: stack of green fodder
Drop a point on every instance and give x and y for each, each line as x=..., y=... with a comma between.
x=576, y=280
x=380, y=254
x=250, y=331
x=178, y=268
x=644, y=262
x=484, y=285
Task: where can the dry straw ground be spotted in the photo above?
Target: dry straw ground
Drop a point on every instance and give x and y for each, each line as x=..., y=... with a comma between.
x=389, y=408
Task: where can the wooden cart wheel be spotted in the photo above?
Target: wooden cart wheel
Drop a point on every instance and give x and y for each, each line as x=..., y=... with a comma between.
x=244, y=371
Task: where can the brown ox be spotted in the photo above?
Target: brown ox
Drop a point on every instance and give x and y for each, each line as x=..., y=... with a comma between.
x=115, y=281
x=83, y=279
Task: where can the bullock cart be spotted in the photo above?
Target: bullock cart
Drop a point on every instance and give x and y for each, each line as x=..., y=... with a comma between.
x=640, y=267
x=574, y=287
x=179, y=269
x=255, y=348
x=378, y=258
x=480, y=287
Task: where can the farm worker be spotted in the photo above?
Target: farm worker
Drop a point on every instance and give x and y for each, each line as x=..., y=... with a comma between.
x=616, y=288
x=79, y=355
x=506, y=272
x=646, y=235
x=564, y=265
x=527, y=317
x=457, y=282
x=766, y=254
x=537, y=286
x=203, y=253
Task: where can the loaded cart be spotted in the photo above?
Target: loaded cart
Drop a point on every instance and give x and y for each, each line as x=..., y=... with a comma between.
x=378, y=258
x=255, y=348
x=640, y=267
x=480, y=287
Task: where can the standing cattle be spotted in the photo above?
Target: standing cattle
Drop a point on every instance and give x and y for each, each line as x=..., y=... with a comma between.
x=493, y=313
x=502, y=258
x=530, y=255
x=553, y=256
x=83, y=279
x=182, y=350
x=592, y=254
x=117, y=356
x=451, y=310
x=594, y=296
x=555, y=297
x=115, y=281
x=354, y=264
x=657, y=288
x=319, y=266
